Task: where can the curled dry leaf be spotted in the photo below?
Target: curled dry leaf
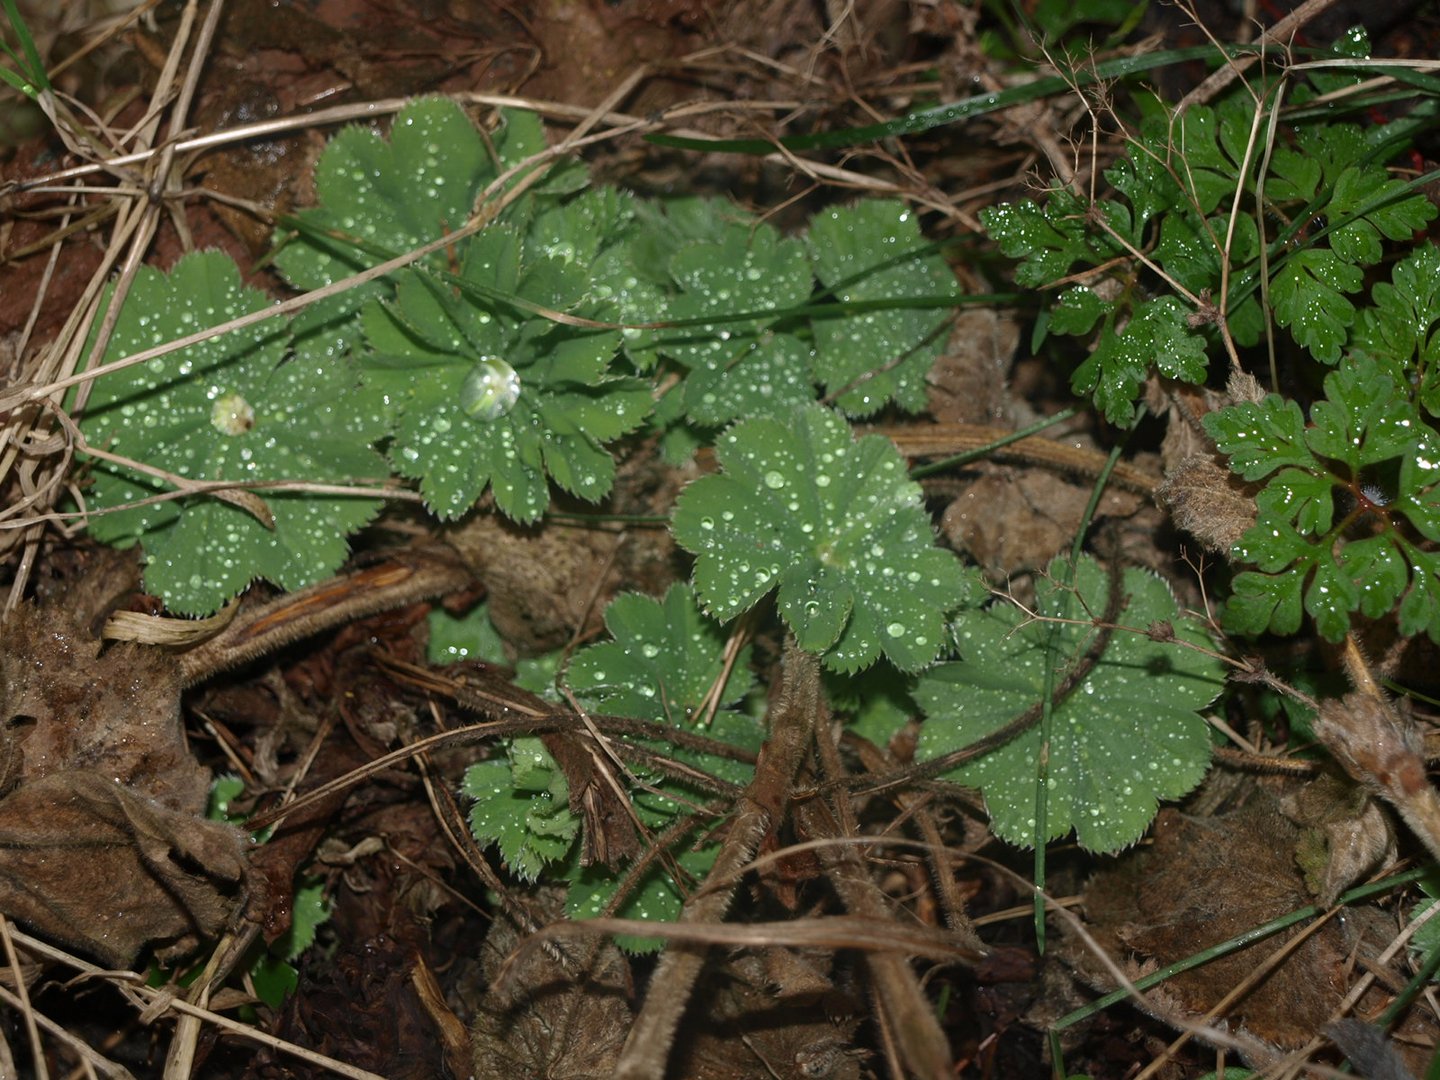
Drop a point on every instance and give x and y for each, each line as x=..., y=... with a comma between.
x=569, y=1020
x=102, y=843
x=90, y=862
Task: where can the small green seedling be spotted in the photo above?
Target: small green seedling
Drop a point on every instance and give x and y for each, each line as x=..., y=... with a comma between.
x=663, y=664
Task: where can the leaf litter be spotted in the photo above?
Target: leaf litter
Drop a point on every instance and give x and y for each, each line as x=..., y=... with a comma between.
x=154, y=839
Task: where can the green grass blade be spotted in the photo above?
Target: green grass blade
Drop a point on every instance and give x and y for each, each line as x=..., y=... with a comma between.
x=954, y=111
x=31, y=79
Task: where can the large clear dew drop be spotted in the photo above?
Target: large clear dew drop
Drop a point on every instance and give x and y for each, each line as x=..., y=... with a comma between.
x=490, y=390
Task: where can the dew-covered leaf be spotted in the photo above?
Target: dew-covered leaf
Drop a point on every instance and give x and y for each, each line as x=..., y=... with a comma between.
x=1127, y=736
x=378, y=198
x=664, y=660
x=1155, y=336
x=739, y=367
x=489, y=391
x=1049, y=240
x=1261, y=436
x=1337, y=520
x=873, y=251
x=488, y=396
x=656, y=899
x=660, y=804
x=1367, y=204
x=1399, y=328
x=1308, y=297
x=1364, y=417
x=227, y=409
x=1261, y=602
x=836, y=527
x=522, y=806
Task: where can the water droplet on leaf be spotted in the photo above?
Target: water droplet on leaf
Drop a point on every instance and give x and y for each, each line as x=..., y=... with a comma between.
x=490, y=390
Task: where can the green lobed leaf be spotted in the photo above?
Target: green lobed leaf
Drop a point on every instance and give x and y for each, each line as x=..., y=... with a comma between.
x=1307, y=296
x=1304, y=499
x=378, y=198
x=663, y=662
x=873, y=251
x=1126, y=737
x=1335, y=524
x=308, y=913
x=556, y=402
x=1364, y=417
x=659, y=805
x=1366, y=205
x=488, y=392
x=739, y=367
x=1261, y=602
x=1417, y=495
x=1262, y=436
x=875, y=703
x=832, y=523
x=657, y=898
x=522, y=806
x=1420, y=609
x=1048, y=240
x=1398, y=329
x=1157, y=334
x=471, y=636
x=226, y=409
x=1078, y=309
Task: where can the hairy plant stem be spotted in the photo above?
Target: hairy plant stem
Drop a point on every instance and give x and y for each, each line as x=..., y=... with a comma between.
x=1380, y=750
x=793, y=720
x=935, y=440
x=405, y=579
x=910, y=1025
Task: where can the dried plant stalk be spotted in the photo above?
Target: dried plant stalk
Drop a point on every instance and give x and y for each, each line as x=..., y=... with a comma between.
x=793, y=720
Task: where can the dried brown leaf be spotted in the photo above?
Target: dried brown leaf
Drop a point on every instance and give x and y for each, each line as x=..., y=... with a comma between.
x=1206, y=880
x=570, y=1016
x=65, y=704
x=87, y=861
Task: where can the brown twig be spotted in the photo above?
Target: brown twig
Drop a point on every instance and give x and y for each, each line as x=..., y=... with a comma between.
x=902, y=1007
x=1278, y=34
x=938, y=440
x=251, y=634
